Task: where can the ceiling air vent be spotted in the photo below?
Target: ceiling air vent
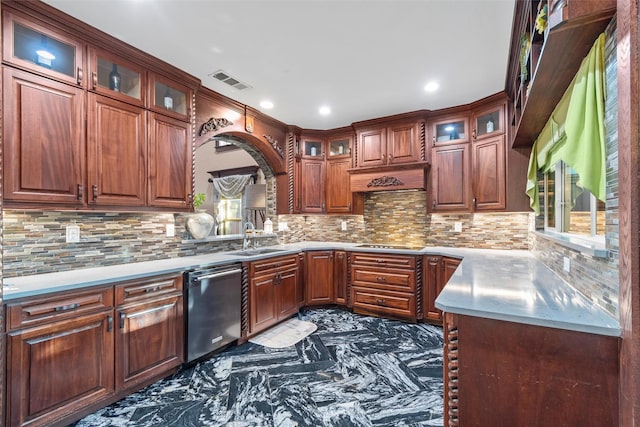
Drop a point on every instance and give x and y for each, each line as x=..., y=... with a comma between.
x=224, y=77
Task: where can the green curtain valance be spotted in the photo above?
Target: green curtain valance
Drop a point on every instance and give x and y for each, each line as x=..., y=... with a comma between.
x=575, y=130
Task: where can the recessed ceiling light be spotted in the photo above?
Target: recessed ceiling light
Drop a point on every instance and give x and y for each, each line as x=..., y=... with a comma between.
x=431, y=86
x=324, y=110
x=266, y=104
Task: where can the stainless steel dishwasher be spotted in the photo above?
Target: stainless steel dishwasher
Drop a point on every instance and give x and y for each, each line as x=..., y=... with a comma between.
x=213, y=306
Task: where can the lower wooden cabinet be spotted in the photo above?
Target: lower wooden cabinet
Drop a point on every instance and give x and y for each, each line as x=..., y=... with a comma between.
x=319, y=278
x=437, y=272
x=384, y=284
x=340, y=279
x=273, y=291
x=150, y=329
x=500, y=373
x=70, y=351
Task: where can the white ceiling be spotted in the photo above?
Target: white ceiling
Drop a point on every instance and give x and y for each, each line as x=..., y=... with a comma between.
x=363, y=59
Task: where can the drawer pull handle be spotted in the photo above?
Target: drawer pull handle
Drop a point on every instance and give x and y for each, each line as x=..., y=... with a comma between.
x=122, y=317
x=109, y=323
x=67, y=307
x=154, y=289
x=380, y=301
x=381, y=261
x=381, y=278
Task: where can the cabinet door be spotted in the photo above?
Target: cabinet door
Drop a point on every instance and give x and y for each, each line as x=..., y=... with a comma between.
x=340, y=277
x=339, y=197
x=44, y=145
x=116, y=152
x=450, y=130
x=170, y=163
x=451, y=178
x=117, y=78
x=319, y=279
x=287, y=292
x=169, y=97
x=59, y=368
x=403, y=145
x=313, y=180
x=372, y=147
x=297, y=185
x=433, y=284
x=489, y=181
x=149, y=339
x=262, y=302
x=488, y=122
x=41, y=49
x=449, y=266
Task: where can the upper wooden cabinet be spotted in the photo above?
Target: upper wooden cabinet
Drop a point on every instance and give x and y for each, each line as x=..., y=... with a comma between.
x=116, y=77
x=44, y=143
x=77, y=131
x=488, y=122
x=169, y=97
x=450, y=130
x=395, y=143
x=542, y=64
x=32, y=45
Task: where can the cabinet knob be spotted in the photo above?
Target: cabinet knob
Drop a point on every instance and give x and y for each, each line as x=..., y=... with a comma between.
x=79, y=192
x=390, y=157
x=94, y=189
x=473, y=134
x=433, y=142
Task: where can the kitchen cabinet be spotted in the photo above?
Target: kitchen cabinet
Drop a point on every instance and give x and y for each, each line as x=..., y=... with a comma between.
x=339, y=198
x=150, y=331
x=319, y=279
x=537, y=367
x=384, y=284
x=437, y=272
x=116, y=152
x=170, y=163
x=33, y=45
x=313, y=185
x=470, y=168
x=71, y=350
x=115, y=77
x=340, y=279
x=43, y=116
x=393, y=143
x=60, y=355
x=169, y=97
x=273, y=291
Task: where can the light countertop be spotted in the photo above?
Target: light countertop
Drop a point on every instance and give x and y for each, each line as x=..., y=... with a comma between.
x=510, y=285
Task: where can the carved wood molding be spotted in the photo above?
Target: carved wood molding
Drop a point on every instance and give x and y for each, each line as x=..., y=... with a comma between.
x=214, y=124
x=274, y=143
x=385, y=181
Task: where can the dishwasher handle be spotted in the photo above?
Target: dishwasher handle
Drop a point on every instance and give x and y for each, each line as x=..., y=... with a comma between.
x=216, y=275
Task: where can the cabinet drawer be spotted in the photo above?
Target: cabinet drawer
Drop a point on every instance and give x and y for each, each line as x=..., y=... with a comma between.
x=399, y=280
x=50, y=308
x=273, y=264
x=140, y=290
x=397, y=303
x=383, y=260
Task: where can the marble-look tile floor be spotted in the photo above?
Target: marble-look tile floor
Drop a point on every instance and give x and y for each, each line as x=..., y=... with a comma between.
x=353, y=371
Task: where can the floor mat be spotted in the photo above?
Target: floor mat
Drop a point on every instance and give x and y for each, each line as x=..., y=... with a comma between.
x=285, y=334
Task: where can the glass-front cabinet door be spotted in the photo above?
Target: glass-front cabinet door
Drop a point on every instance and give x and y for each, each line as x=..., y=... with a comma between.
x=340, y=146
x=41, y=49
x=312, y=148
x=452, y=130
x=488, y=122
x=117, y=78
x=169, y=97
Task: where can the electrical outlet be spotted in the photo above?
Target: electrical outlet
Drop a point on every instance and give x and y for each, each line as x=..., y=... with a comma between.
x=73, y=233
x=282, y=226
x=343, y=226
x=457, y=227
x=567, y=264
x=170, y=230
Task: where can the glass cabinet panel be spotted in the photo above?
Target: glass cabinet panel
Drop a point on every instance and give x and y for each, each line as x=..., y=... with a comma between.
x=450, y=131
x=339, y=147
x=313, y=148
x=488, y=123
x=169, y=98
x=43, y=50
x=119, y=78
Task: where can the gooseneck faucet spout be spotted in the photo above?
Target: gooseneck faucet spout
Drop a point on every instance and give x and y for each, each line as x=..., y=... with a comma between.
x=246, y=241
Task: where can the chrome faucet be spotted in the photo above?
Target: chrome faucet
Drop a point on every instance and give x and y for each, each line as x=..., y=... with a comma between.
x=247, y=238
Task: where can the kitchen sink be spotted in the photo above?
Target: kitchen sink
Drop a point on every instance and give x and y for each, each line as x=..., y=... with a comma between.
x=260, y=251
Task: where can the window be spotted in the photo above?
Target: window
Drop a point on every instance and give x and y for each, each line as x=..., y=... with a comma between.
x=566, y=207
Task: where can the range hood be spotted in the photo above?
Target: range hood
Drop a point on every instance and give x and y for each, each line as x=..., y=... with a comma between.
x=406, y=176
